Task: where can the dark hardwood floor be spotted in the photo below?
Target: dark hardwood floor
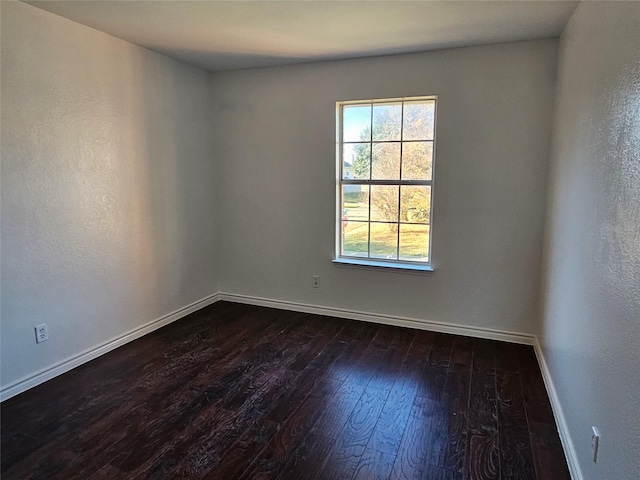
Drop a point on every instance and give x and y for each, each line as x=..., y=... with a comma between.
x=242, y=392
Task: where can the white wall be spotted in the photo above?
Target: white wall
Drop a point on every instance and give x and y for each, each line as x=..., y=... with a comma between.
x=275, y=141
x=591, y=322
x=108, y=187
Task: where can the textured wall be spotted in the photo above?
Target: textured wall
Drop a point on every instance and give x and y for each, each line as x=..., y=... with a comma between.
x=591, y=321
x=107, y=187
x=275, y=141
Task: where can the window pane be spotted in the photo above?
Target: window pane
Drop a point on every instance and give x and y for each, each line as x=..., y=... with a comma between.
x=356, y=123
x=414, y=243
x=384, y=240
x=355, y=203
x=382, y=145
x=356, y=158
x=415, y=204
x=384, y=203
x=418, y=120
x=385, y=161
x=417, y=160
x=387, y=121
x=355, y=236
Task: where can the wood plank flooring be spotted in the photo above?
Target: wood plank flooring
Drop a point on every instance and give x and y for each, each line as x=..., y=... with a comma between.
x=242, y=392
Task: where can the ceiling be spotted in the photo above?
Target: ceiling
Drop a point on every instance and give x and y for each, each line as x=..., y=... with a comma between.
x=224, y=35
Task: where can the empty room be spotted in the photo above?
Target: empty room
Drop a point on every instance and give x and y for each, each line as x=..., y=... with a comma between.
x=320, y=240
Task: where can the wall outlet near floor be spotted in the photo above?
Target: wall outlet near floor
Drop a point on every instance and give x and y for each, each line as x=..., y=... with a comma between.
x=42, y=334
x=315, y=279
x=595, y=440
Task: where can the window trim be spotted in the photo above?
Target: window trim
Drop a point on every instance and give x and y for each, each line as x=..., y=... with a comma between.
x=368, y=262
x=395, y=266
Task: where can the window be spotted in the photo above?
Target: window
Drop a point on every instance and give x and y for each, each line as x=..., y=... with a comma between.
x=385, y=180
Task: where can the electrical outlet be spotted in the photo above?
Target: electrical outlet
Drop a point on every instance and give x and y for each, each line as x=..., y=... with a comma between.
x=42, y=334
x=595, y=441
x=315, y=281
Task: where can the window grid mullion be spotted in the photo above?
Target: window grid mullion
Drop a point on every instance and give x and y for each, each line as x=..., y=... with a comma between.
x=400, y=186
x=406, y=183
x=353, y=142
x=370, y=178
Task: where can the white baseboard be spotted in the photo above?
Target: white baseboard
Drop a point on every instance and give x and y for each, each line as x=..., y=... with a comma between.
x=466, y=330
x=67, y=364
x=561, y=423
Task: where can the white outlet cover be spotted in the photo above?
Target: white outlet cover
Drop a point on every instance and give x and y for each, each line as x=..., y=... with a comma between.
x=595, y=440
x=42, y=334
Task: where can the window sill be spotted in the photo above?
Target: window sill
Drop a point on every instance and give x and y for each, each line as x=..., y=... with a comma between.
x=395, y=267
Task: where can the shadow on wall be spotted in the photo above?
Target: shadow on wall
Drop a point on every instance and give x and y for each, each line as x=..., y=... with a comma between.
x=162, y=215
x=108, y=188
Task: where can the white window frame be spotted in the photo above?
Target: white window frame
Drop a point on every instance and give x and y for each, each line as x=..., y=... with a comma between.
x=407, y=265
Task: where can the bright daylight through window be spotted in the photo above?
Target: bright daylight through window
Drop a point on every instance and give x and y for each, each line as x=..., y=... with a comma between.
x=385, y=157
